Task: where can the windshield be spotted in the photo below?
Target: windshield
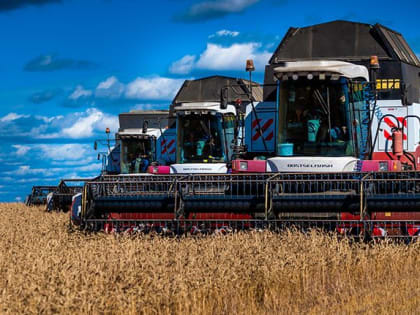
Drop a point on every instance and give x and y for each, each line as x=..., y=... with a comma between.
x=314, y=118
x=201, y=139
x=42, y=191
x=136, y=155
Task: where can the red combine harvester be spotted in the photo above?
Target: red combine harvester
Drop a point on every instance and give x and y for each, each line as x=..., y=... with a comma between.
x=343, y=154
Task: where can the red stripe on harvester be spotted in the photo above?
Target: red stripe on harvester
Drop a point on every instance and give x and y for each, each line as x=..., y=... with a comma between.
x=255, y=122
x=266, y=125
x=401, y=120
x=389, y=122
x=270, y=136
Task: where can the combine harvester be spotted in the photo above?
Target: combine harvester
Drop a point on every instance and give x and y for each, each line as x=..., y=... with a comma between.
x=136, y=145
x=145, y=140
x=206, y=150
x=207, y=133
x=61, y=196
x=38, y=195
x=334, y=144
x=60, y=199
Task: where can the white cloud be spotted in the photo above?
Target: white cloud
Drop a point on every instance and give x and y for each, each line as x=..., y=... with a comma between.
x=142, y=88
x=233, y=57
x=48, y=119
x=92, y=120
x=184, y=65
x=110, y=88
x=64, y=152
x=12, y=116
x=88, y=158
x=21, y=149
x=74, y=125
x=216, y=57
x=156, y=88
x=27, y=170
x=222, y=33
x=149, y=106
x=95, y=167
x=52, y=172
x=79, y=92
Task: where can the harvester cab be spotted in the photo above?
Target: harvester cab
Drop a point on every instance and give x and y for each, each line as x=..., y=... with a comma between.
x=146, y=140
x=323, y=117
x=206, y=131
x=39, y=195
x=348, y=106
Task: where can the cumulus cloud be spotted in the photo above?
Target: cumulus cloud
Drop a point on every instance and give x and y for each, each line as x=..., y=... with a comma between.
x=51, y=62
x=148, y=106
x=57, y=154
x=184, y=65
x=155, y=88
x=110, y=88
x=216, y=57
x=112, y=91
x=92, y=120
x=79, y=97
x=66, y=172
x=80, y=92
x=222, y=33
x=74, y=125
x=8, y=5
x=63, y=152
x=213, y=9
x=49, y=162
x=12, y=116
x=233, y=57
x=21, y=150
x=27, y=170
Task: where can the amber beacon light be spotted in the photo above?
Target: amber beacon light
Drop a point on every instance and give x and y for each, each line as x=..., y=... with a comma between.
x=374, y=62
x=250, y=65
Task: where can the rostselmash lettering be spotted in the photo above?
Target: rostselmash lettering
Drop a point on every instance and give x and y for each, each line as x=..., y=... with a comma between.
x=197, y=169
x=310, y=165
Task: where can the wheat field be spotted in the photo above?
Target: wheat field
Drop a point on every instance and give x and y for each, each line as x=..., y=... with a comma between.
x=45, y=269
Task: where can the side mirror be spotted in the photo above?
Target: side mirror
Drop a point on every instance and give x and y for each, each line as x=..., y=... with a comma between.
x=409, y=94
x=145, y=125
x=224, y=98
x=95, y=145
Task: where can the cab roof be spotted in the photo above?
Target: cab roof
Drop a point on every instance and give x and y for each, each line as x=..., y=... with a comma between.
x=209, y=89
x=343, y=40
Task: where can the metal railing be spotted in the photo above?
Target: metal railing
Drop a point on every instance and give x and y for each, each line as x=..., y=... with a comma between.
x=306, y=199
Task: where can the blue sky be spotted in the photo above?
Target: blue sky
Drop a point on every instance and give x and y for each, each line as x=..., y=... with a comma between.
x=68, y=67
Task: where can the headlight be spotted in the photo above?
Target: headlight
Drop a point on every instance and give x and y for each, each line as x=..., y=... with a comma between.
x=243, y=166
